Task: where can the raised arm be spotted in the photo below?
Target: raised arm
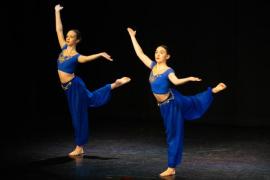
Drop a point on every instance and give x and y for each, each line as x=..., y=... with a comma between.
x=84, y=59
x=145, y=59
x=59, y=26
x=176, y=81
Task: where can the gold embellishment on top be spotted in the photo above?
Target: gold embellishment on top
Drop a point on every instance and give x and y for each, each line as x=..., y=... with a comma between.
x=68, y=55
x=153, y=77
x=63, y=58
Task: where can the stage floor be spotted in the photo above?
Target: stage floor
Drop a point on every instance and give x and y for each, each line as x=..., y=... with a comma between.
x=128, y=152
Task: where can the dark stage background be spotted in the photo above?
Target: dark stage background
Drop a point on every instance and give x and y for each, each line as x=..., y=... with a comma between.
x=217, y=41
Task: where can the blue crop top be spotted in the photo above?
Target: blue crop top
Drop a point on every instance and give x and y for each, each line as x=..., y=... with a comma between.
x=67, y=63
x=160, y=84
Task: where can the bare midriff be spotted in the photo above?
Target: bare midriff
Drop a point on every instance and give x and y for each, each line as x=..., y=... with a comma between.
x=65, y=77
x=161, y=97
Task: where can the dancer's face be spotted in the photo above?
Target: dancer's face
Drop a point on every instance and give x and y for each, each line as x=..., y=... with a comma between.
x=161, y=54
x=71, y=38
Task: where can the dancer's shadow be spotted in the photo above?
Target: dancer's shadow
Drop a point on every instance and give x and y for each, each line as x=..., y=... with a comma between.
x=65, y=159
x=97, y=157
x=174, y=177
x=168, y=177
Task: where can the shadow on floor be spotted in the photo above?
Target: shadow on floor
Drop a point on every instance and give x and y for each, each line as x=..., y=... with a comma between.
x=65, y=159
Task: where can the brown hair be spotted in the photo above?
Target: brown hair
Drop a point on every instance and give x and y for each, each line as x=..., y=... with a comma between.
x=165, y=47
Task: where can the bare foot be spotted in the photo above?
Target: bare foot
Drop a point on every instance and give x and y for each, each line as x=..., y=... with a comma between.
x=168, y=172
x=77, y=151
x=120, y=82
x=219, y=87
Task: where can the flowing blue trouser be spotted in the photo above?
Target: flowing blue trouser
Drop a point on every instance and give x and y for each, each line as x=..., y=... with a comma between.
x=80, y=99
x=174, y=112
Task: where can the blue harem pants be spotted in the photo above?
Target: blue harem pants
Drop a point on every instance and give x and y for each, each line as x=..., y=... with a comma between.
x=80, y=99
x=174, y=112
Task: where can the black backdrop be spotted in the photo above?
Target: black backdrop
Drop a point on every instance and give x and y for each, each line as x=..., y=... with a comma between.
x=217, y=41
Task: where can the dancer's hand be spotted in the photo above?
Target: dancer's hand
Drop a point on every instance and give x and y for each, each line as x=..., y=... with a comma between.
x=131, y=31
x=58, y=7
x=107, y=56
x=194, y=79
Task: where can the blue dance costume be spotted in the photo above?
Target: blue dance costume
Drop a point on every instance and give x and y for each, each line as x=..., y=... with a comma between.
x=80, y=98
x=175, y=110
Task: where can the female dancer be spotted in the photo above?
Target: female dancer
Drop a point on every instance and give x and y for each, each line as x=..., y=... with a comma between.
x=174, y=107
x=78, y=96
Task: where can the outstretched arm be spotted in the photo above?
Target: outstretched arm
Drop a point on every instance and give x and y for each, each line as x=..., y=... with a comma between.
x=59, y=26
x=84, y=59
x=176, y=81
x=145, y=59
